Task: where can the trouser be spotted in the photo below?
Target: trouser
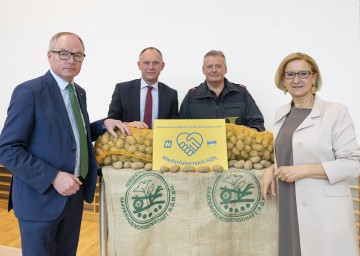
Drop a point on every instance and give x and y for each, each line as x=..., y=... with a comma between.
x=54, y=238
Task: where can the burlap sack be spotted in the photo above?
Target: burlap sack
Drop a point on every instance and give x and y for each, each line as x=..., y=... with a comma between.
x=175, y=214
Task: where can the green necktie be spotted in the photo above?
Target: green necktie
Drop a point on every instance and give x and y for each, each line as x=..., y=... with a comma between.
x=82, y=135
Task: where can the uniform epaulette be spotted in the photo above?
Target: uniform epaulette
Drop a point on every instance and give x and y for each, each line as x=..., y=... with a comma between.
x=243, y=86
x=193, y=88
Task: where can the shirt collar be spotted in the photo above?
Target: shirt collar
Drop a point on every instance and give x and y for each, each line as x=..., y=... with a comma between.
x=61, y=82
x=143, y=84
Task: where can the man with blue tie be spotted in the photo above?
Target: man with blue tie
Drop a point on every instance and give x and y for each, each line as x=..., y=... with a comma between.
x=140, y=101
x=46, y=143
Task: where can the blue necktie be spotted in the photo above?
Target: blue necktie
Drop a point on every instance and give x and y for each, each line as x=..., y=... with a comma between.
x=84, y=163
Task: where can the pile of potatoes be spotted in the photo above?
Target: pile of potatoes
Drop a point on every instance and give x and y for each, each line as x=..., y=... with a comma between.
x=246, y=149
x=126, y=151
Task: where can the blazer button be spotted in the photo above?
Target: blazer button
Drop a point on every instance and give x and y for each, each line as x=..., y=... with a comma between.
x=73, y=150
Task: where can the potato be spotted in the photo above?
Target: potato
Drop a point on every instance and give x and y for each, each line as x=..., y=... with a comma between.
x=258, y=166
x=132, y=149
x=257, y=147
x=105, y=138
x=203, y=169
x=107, y=160
x=117, y=165
x=239, y=164
x=267, y=155
x=139, y=139
x=247, y=141
x=114, y=158
x=137, y=165
x=265, y=143
x=235, y=151
x=175, y=168
x=240, y=145
x=148, y=166
x=188, y=169
x=231, y=163
x=149, y=150
x=149, y=136
x=127, y=165
x=98, y=151
x=233, y=139
x=139, y=154
x=124, y=158
x=229, y=145
x=119, y=143
x=253, y=153
x=229, y=134
x=130, y=140
x=164, y=168
x=248, y=165
x=217, y=168
x=247, y=148
x=265, y=163
x=142, y=148
x=244, y=155
x=105, y=147
x=255, y=159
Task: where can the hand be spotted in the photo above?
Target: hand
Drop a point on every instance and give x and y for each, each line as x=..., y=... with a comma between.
x=288, y=173
x=268, y=185
x=112, y=124
x=137, y=124
x=66, y=184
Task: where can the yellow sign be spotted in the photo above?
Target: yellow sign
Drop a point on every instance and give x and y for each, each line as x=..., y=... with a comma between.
x=196, y=142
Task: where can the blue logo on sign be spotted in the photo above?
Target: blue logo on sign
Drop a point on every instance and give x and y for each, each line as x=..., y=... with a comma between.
x=167, y=143
x=189, y=142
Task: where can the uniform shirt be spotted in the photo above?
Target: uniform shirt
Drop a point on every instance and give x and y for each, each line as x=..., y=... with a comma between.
x=234, y=104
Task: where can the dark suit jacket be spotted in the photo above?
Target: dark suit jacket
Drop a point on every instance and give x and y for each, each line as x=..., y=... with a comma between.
x=125, y=103
x=37, y=140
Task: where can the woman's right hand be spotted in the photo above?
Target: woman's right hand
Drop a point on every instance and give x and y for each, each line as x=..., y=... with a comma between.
x=268, y=183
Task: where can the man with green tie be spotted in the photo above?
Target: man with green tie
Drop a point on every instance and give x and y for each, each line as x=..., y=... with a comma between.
x=46, y=143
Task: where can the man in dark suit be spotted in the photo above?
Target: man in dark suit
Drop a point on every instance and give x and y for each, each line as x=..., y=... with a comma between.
x=42, y=145
x=128, y=100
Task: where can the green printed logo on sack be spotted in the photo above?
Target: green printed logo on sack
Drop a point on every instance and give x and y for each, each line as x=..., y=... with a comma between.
x=148, y=200
x=235, y=197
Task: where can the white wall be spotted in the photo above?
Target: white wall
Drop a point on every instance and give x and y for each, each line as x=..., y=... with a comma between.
x=254, y=35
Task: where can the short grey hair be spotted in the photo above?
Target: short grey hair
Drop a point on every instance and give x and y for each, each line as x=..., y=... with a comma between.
x=56, y=37
x=215, y=53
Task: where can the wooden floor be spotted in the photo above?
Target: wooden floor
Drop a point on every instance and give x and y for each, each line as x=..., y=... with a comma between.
x=89, y=244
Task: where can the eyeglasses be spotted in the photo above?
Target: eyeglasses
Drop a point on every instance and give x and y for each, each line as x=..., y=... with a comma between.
x=301, y=74
x=64, y=55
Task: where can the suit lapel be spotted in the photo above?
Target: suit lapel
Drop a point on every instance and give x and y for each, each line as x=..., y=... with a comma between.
x=135, y=100
x=162, y=95
x=82, y=102
x=57, y=100
x=310, y=119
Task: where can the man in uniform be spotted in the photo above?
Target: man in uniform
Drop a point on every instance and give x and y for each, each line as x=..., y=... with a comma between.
x=219, y=98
